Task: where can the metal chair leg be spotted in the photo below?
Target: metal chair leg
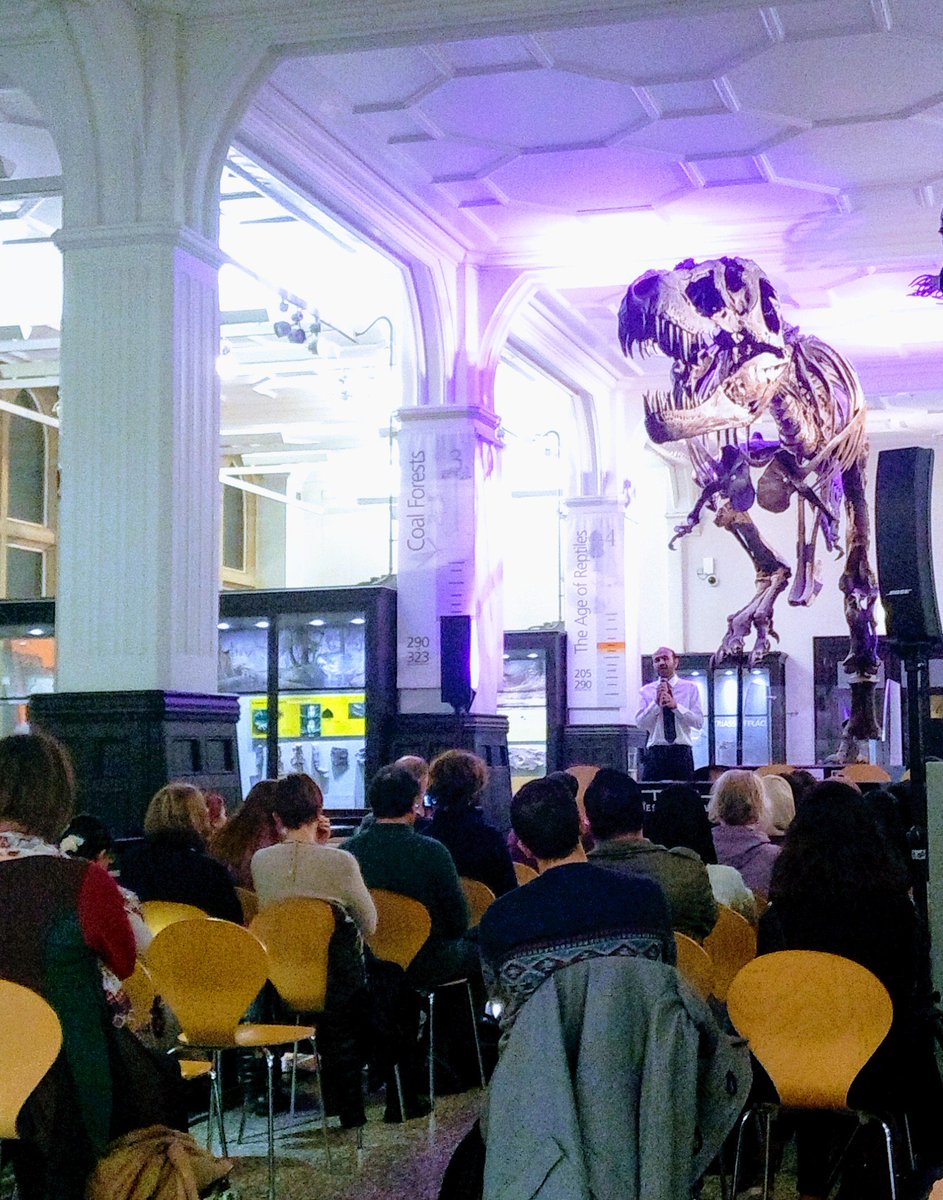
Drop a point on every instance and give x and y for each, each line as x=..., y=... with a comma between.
x=891, y=1171
x=270, y=1075
x=217, y=1086
x=318, y=1076
x=211, y=1115
x=471, y=1010
x=431, y=1053
x=769, y=1130
x=399, y=1091
x=750, y=1112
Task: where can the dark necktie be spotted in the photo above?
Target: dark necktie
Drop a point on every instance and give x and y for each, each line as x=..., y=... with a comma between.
x=668, y=723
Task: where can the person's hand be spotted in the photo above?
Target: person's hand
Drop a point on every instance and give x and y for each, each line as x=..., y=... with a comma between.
x=323, y=834
x=665, y=696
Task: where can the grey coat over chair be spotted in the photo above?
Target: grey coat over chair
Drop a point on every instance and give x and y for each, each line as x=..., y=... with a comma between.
x=615, y=1081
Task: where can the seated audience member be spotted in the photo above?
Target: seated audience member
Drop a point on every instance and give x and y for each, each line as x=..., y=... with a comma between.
x=215, y=810
x=801, y=783
x=737, y=804
x=838, y=887
x=61, y=920
x=303, y=864
x=394, y=857
x=779, y=807
x=89, y=837
x=613, y=803
x=172, y=863
x=679, y=818
x=419, y=769
x=572, y=785
x=456, y=780
x=252, y=827
x=573, y=911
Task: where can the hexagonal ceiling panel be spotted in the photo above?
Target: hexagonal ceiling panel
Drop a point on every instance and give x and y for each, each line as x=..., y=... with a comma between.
x=667, y=48
x=835, y=78
x=534, y=108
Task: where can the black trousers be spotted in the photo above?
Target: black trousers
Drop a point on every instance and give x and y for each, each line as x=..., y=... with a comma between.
x=668, y=762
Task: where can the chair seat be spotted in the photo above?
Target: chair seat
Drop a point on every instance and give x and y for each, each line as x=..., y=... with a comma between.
x=194, y=1068
x=251, y=1036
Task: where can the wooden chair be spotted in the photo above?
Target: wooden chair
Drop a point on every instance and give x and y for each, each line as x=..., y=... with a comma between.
x=812, y=1020
x=731, y=944
x=209, y=972
x=524, y=873
x=775, y=769
x=30, y=1041
x=140, y=990
x=479, y=897
x=249, y=902
x=158, y=914
x=297, y=933
x=695, y=965
x=403, y=927
x=863, y=773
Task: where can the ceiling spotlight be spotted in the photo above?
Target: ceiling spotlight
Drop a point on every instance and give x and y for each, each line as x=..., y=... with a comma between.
x=261, y=624
x=358, y=621
x=37, y=632
x=222, y=624
x=316, y=621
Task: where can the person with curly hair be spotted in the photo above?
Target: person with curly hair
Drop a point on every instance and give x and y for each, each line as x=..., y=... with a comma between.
x=456, y=780
x=839, y=887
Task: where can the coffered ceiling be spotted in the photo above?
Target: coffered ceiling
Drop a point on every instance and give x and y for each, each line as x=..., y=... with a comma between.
x=808, y=136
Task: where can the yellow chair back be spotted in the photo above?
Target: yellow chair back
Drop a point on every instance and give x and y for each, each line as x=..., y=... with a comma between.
x=695, y=965
x=775, y=769
x=250, y=904
x=479, y=898
x=403, y=926
x=209, y=972
x=140, y=990
x=863, y=773
x=158, y=914
x=524, y=873
x=296, y=934
x=813, y=1020
x=731, y=944
x=30, y=1039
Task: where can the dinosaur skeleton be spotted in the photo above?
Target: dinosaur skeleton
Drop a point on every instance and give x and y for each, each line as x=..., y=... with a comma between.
x=734, y=361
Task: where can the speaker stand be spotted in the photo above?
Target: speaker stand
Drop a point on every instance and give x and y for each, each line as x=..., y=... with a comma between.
x=916, y=658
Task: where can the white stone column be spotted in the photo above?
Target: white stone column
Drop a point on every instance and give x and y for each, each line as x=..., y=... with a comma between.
x=595, y=591
x=139, y=458
x=449, y=550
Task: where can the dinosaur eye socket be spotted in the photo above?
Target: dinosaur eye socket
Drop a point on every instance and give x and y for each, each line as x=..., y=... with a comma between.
x=645, y=285
x=733, y=275
x=770, y=306
x=704, y=295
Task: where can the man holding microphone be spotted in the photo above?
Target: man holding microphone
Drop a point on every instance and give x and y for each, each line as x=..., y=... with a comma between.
x=670, y=713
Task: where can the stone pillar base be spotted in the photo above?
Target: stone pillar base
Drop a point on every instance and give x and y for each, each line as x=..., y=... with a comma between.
x=603, y=746
x=127, y=745
x=428, y=734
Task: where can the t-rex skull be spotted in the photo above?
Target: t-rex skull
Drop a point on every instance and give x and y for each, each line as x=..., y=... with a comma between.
x=721, y=324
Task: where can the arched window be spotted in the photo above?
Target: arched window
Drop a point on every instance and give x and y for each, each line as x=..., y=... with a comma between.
x=27, y=536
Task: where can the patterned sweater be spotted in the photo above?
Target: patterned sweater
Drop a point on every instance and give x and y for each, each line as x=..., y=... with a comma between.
x=569, y=914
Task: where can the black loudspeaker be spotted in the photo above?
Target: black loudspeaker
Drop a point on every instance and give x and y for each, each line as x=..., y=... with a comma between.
x=455, y=641
x=904, y=549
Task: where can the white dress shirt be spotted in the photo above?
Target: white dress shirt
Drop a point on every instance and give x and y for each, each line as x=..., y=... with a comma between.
x=689, y=716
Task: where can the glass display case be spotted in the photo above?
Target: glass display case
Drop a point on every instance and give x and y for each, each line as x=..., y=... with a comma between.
x=314, y=672
x=744, y=709
x=27, y=661
x=315, y=675
x=532, y=697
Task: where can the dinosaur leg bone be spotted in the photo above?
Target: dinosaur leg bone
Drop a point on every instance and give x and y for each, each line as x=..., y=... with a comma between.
x=860, y=591
x=772, y=576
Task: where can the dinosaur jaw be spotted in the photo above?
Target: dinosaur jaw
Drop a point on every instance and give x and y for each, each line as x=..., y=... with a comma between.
x=704, y=399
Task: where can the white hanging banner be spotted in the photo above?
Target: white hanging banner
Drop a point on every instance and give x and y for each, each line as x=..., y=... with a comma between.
x=447, y=470
x=595, y=605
